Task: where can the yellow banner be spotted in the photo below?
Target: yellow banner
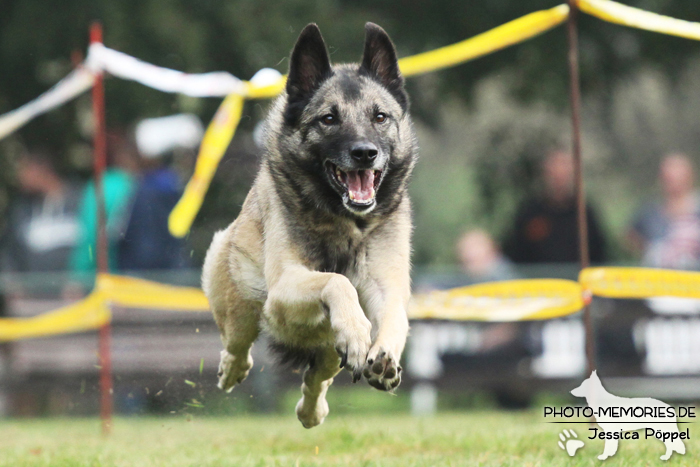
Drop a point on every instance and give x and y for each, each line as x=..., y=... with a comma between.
x=216, y=140
x=254, y=91
x=93, y=311
x=90, y=313
x=498, y=38
x=618, y=13
x=519, y=300
x=640, y=282
x=131, y=292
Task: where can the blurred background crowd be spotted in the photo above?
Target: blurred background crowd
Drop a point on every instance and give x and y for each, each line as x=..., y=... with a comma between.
x=492, y=194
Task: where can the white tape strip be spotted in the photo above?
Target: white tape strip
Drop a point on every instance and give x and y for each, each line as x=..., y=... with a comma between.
x=101, y=58
x=76, y=83
x=218, y=83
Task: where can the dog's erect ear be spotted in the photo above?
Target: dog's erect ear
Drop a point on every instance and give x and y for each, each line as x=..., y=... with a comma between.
x=380, y=62
x=309, y=64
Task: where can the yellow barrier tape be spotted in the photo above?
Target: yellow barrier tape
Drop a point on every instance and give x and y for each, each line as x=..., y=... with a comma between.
x=265, y=92
x=519, y=300
x=223, y=126
x=640, y=282
x=90, y=313
x=214, y=144
x=490, y=41
x=618, y=13
x=139, y=293
x=93, y=311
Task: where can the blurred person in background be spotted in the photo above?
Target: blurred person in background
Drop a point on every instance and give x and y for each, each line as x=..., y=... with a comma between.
x=666, y=233
x=147, y=243
x=481, y=259
x=546, y=228
x=118, y=186
x=42, y=228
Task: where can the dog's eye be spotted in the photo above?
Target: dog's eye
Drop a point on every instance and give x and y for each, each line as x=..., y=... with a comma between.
x=380, y=118
x=329, y=119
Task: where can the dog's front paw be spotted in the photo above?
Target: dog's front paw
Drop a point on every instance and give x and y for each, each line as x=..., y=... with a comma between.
x=382, y=369
x=352, y=342
x=233, y=370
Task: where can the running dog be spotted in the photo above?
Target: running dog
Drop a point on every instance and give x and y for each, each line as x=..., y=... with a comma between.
x=319, y=256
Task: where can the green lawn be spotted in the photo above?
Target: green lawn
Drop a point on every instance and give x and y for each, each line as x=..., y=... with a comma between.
x=488, y=438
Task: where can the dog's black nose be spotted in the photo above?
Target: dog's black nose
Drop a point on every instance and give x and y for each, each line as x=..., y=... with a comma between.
x=364, y=152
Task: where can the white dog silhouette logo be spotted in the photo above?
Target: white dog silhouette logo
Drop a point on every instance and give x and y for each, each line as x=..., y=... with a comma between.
x=617, y=415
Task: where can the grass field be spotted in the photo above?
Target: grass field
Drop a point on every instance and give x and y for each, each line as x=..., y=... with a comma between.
x=489, y=438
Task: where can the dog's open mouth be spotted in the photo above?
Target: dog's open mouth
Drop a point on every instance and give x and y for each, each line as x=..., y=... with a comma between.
x=359, y=186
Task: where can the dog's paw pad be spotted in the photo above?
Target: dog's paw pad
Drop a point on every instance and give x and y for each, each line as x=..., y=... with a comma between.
x=568, y=442
x=382, y=371
x=233, y=370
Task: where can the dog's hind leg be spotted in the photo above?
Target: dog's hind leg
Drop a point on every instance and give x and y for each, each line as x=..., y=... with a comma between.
x=239, y=329
x=236, y=317
x=312, y=408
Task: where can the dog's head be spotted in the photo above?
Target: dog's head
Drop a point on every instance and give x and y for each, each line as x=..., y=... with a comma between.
x=345, y=130
x=588, y=386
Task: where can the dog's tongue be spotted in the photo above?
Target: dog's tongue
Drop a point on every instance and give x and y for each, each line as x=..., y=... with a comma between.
x=360, y=184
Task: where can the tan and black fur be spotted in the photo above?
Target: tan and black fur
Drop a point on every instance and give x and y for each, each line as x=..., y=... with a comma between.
x=319, y=257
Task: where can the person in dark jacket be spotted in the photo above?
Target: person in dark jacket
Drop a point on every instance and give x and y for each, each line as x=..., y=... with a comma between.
x=546, y=228
x=147, y=243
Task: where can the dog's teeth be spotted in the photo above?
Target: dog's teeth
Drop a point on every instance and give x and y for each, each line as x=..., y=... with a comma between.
x=371, y=193
x=351, y=195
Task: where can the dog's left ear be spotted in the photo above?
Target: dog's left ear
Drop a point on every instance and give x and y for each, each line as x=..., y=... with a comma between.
x=309, y=64
x=380, y=62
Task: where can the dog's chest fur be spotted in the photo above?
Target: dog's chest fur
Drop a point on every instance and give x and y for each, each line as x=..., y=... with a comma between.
x=338, y=247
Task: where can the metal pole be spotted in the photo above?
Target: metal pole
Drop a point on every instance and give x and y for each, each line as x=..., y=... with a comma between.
x=575, y=99
x=100, y=163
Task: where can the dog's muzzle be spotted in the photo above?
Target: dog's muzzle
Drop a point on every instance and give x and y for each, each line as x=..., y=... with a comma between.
x=357, y=187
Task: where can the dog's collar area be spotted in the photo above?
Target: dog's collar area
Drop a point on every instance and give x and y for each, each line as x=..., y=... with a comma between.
x=358, y=188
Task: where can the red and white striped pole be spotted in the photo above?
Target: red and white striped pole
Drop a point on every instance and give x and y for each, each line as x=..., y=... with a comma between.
x=100, y=163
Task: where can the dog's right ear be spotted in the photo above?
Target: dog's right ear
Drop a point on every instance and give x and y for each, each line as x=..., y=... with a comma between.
x=309, y=65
